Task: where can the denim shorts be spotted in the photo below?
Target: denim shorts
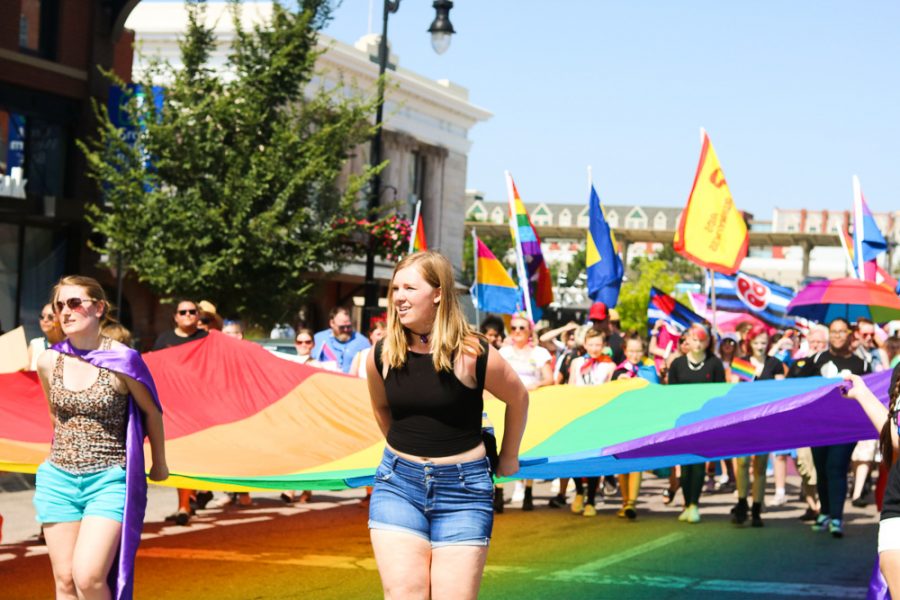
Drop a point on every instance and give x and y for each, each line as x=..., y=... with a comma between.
x=60, y=496
x=443, y=504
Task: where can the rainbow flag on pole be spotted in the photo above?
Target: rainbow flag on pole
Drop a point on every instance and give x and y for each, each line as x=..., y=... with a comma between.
x=534, y=276
x=417, y=233
x=494, y=290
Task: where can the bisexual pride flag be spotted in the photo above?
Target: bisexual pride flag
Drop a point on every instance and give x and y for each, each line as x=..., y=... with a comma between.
x=765, y=300
x=494, y=290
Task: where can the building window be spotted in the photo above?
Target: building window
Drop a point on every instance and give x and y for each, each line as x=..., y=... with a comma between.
x=38, y=27
x=565, y=218
x=498, y=216
x=791, y=228
x=417, y=173
x=584, y=218
x=636, y=220
x=542, y=216
x=476, y=213
x=33, y=150
x=659, y=221
x=812, y=229
x=612, y=218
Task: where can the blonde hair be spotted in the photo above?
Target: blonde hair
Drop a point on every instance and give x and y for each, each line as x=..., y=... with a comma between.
x=94, y=291
x=117, y=332
x=450, y=332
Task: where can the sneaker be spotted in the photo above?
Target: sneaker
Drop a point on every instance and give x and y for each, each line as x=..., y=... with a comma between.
x=621, y=512
x=821, y=523
x=182, y=517
x=610, y=487
x=578, y=504
x=809, y=515
x=589, y=511
x=203, y=499
x=528, y=501
x=630, y=512
x=557, y=502
x=860, y=502
x=779, y=499
x=755, y=516
x=554, y=487
x=693, y=514
x=836, y=528
x=518, y=492
x=668, y=496
x=739, y=512
x=683, y=517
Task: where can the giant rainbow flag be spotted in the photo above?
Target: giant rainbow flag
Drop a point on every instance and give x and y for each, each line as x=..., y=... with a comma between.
x=239, y=418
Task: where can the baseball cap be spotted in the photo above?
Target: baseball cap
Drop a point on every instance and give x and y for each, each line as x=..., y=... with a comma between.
x=598, y=311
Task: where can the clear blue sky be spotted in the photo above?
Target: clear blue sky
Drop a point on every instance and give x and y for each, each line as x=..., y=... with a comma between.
x=796, y=96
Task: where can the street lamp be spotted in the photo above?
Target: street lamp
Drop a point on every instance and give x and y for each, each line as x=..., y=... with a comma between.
x=441, y=29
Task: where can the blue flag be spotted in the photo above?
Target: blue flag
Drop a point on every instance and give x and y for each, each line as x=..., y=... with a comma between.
x=604, y=267
x=763, y=299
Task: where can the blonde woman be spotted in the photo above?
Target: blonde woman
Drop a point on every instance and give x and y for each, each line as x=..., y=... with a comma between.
x=91, y=492
x=430, y=516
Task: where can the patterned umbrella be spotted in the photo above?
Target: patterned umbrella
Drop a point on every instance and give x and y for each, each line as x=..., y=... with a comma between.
x=848, y=298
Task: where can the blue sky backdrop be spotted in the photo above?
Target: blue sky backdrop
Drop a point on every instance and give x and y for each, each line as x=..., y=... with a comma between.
x=797, y=96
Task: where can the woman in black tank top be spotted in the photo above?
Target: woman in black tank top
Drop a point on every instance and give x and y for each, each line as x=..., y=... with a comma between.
x=433, y=489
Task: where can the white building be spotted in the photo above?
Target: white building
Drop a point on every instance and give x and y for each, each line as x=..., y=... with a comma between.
x=426, y=122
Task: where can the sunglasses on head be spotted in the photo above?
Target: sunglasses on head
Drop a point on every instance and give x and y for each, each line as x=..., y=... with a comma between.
x=72, y=303
x=189, y=311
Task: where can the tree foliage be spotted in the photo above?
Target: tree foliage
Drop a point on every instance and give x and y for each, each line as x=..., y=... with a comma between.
x=635, y=292
x=231, y=189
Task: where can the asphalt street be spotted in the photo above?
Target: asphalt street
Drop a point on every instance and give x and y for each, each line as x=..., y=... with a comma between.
x=321, y=550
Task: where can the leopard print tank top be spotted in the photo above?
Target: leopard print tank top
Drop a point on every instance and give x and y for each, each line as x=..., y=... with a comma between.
x=89, y=435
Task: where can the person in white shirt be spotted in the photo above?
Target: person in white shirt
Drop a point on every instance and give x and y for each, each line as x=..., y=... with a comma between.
x=534, y=366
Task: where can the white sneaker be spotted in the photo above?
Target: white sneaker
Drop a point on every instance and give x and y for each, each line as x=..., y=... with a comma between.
x=519, y=492
x=779, y=499
x=554, y=487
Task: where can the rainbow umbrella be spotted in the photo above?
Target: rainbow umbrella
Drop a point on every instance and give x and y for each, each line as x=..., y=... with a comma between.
x=847, y=298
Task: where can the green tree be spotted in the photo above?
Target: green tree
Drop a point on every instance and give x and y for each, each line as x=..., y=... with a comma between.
x=635, y=293
x=576, y=267
x=241, y=201
x=677, y=264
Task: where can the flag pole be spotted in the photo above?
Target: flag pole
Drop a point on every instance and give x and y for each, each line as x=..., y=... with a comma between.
x=712, y=296
x=520, y=258
x=858, y=228
x=475, y=271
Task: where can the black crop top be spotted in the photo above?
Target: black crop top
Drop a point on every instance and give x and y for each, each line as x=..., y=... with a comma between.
x=433, y=414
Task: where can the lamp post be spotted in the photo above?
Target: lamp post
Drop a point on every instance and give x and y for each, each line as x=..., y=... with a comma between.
x=441, y=29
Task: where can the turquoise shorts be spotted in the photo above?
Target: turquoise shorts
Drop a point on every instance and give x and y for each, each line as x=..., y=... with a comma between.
x=60, y=496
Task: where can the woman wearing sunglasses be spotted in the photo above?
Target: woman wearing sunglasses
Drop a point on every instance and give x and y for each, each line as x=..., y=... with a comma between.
x=91, y=492
x=430, y=516
x=52, y=335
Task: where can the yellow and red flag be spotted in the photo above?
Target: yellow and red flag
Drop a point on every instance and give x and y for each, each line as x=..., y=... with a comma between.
x=712, y=232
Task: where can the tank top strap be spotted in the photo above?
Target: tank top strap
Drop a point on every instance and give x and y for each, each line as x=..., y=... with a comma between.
x=58, y=370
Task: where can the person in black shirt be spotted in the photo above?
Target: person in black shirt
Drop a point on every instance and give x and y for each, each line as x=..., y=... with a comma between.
x=699, y=365
x=186, y=330
x=755, y=348
x=833, y=461
x=885, y=420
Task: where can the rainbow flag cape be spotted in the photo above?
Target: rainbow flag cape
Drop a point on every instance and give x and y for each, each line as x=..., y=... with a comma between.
x=238, y=418
x=712, y=232
x=417, y=233
x=534, y=276
x=494, y=290
x=743, y=368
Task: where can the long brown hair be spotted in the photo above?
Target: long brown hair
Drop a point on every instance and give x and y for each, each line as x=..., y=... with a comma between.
x=450, y=332
x=885, y=440
x=94, y=291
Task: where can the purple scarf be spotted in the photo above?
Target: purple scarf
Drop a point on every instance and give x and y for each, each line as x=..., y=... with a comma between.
x=127, y=362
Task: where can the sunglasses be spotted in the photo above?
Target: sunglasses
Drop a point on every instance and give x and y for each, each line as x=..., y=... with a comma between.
x=72, y=303
x=307, y=342
x=190, y=311
x=47, y=317
x=345, y=327
x=518, y=328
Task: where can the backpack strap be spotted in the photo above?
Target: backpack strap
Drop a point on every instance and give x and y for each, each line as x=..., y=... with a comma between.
x=481, y=364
